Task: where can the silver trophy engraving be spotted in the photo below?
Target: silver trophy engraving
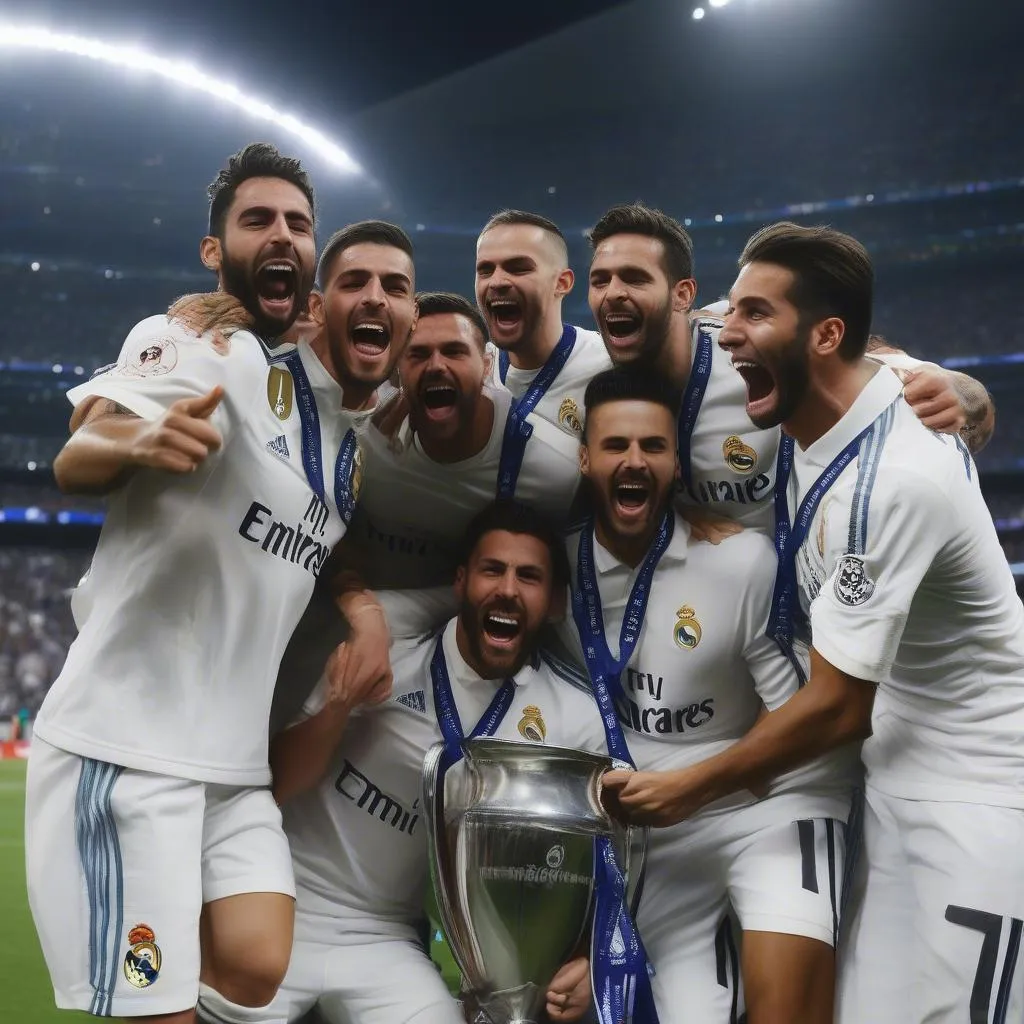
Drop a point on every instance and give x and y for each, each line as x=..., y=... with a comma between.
x=511, y=838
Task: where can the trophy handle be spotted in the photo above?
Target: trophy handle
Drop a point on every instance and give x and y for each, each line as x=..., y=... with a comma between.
x=437, y=843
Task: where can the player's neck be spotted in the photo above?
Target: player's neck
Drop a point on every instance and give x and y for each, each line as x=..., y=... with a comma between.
x=828, y=400
x=629, y=551
x=676, y=355
x=467, y=442
x=533, y=352
x=356, y=395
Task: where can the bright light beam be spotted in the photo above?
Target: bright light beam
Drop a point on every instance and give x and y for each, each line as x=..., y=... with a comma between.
x=176, y=71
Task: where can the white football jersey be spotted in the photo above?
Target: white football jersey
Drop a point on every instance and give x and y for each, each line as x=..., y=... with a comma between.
x=199, y=579
x=414, y=511
x=358, y=840
x=703, y=667
x=906, y=585
x=731, y=469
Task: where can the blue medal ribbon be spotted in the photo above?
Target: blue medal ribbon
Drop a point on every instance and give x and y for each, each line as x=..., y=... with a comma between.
x=790, y=537
x=696, y=386
x=517, y=430
x=448, y=713
x=620, y=968
x=312, y=446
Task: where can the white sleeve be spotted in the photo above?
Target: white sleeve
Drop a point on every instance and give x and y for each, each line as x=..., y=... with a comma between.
x=162, y=362
x=413, y=613
x=858, y=617
x=896, y=360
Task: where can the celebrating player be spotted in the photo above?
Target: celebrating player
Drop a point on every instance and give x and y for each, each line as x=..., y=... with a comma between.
x=351, y=781
x=147, y=800
x=918, y=643
x=641, y=293
x=673, y=635
x=448, y=459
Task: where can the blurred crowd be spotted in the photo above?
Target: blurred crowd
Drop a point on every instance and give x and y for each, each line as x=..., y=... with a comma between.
x=36, y=627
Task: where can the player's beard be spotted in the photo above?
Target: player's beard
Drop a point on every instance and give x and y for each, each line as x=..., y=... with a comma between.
x=791, y=374
x=655, y=336
x=471, y=617
x=239, y=280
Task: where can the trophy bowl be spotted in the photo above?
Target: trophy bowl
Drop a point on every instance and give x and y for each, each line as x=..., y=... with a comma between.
x=511, y=830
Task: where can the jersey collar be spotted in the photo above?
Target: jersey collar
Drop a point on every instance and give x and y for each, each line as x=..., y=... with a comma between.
x=877, y=396
x=676, y=551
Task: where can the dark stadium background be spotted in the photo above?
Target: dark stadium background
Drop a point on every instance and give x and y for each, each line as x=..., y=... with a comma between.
x=901, y=122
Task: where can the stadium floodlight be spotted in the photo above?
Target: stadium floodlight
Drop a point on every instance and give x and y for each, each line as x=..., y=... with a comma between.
x=33, y=38
x=718, y=3
x=698, y=13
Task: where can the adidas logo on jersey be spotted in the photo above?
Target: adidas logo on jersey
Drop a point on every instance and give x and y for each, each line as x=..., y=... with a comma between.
x=415, y=700
x=279, y=447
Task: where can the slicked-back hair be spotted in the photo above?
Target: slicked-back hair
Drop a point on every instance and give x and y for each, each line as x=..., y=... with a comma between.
x=515, y=517
x=377, y=232
x=504, y=218
x=435, y=303
x=638, y=219
x=257, y=160
x=630, y=383
x=832, y=277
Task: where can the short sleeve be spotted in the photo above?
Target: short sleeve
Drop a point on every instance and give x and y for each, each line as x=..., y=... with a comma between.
x=161, y=362
x=874, y=568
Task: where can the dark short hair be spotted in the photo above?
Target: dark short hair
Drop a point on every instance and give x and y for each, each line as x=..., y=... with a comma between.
x=435, y=303
x=257, y=160
x=638, y=219
x=515, y=517
x=630, y=383
x=832, y=276
x=377, y=232
x=504, y=218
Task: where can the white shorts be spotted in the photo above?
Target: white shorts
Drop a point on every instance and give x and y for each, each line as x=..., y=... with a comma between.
x=935, y=917
x=364, y=979
x=120, y=863
x=784, y=878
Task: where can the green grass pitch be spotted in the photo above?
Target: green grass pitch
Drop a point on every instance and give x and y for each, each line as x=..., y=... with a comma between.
x=28, y=998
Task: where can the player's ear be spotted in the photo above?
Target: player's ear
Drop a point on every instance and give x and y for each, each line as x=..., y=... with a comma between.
x=210, y=253
x=584, y=459
x=828, y=336
x=316, y=307
x=564, y=282
x=460, y=582
x=683, y=294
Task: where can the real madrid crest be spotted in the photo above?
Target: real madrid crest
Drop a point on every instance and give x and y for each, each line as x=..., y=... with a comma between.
x=687, y=632
x=569, y=416
x=280, y=392
x=142, y=961
x=739, y=457
x=531, y=725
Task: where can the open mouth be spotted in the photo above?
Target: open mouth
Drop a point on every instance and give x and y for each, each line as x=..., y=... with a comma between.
x=622, y=327
x=276, y=283
x=370, y=338
x=631, y=498
x=501, y=628
x=760, y=383
x=439, y=400
x=505, y=314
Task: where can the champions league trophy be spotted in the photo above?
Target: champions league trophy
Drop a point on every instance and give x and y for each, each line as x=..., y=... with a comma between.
x=511, y=829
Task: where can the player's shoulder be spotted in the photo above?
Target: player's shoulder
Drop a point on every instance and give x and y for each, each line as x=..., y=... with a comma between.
x=158, y=344
x=410, y=667
x=589, y=355
x=557, y=671
x=912, y=458
x=746, y=559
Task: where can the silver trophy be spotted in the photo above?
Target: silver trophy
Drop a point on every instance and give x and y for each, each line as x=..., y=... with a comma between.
x=511, y=838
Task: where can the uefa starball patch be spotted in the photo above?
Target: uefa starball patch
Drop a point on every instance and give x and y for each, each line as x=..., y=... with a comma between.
x=853, y=585
x=142, y=961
